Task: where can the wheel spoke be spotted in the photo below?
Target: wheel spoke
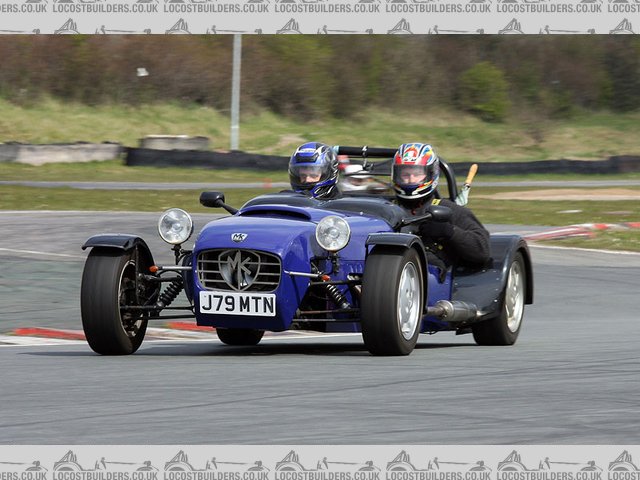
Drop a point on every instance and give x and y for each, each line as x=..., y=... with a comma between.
x=131, y=320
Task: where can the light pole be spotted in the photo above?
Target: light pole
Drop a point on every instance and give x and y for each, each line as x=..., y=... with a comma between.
x=235, y=90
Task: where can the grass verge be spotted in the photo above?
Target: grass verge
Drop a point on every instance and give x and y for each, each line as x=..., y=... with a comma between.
x=63, y=198
x=116, y=171
x=516, y=212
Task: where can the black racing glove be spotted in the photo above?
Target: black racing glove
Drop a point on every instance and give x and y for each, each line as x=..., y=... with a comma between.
x=431, y=229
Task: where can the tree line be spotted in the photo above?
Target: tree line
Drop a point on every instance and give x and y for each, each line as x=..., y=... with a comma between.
x=319, y=76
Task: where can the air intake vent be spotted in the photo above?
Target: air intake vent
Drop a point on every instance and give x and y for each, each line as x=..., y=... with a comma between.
x=238, y=270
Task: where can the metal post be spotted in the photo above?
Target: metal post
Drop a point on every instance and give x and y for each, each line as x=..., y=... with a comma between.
x=235, y=90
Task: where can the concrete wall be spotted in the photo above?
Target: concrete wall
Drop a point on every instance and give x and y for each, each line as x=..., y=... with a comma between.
x=175, y=142
x=88, y=152
x=57, y=153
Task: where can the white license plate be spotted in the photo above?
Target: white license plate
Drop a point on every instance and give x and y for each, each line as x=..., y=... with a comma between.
x=231, y=303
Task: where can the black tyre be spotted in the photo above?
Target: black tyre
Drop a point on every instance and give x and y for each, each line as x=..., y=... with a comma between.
x=392, y=302
x=108, y=284
x=504, y=329
x=239, y=336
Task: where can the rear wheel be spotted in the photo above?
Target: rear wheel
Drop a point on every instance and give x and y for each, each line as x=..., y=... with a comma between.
x=109, y=283
x=239, y=336
x=505, y=328
x=392, y=301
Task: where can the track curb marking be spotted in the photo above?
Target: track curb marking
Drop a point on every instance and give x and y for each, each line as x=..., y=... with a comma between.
x=581, y=230
x=189, y=332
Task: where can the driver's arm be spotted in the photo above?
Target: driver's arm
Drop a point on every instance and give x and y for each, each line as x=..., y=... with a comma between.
x=470, y=240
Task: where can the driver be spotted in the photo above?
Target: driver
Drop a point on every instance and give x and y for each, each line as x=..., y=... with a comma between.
x=313, y=170
x=460, y=241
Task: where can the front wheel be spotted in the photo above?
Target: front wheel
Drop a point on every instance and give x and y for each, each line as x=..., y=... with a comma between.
x=109, y=284
x=391, y=303
x=505, y=328
x=239, y=336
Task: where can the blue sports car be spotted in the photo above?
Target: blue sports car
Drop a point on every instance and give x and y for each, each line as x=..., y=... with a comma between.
x=287, y=261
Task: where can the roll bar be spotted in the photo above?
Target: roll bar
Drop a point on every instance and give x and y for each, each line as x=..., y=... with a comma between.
x=365, y=152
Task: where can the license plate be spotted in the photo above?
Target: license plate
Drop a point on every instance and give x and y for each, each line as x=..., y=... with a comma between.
x=231, y=303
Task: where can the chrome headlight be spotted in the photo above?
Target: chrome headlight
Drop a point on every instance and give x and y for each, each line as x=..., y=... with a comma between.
x=333, y=233
x=175, y=226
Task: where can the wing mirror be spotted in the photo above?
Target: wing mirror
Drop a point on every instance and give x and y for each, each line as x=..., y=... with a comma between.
x=439, y=213
x=216, y=200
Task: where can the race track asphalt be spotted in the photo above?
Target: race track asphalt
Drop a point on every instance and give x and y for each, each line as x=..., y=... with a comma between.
x=571, y=377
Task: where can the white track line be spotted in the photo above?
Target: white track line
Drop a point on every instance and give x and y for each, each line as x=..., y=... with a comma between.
x=20, y=341
x=36, y=252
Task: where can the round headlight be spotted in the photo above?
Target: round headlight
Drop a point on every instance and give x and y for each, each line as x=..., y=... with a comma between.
x=175, y=226
x=333, y=233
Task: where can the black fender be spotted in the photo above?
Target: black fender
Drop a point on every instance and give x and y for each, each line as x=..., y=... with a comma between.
x=119, y=241
x=505, y=247
x=401, y=241
x=483, y=286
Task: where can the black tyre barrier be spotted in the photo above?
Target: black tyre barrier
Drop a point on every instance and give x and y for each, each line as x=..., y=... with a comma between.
x=616, y=164
x=193, y=158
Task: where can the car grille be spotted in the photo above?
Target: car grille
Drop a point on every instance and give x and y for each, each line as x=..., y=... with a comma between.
x=238, y=270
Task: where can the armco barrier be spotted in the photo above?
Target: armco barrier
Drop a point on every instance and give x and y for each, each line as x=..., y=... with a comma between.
x=175, y=158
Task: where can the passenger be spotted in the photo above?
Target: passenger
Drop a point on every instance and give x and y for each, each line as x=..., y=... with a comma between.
x=462, y=240
x=355, y=183
x=343, y=162
x=313, y=170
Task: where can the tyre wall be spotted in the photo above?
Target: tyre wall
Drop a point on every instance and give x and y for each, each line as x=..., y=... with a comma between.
x=181, y=158
x=175, y=158
x=616, y=164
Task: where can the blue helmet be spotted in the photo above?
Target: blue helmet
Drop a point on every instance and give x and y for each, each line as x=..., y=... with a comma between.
x=313, y=168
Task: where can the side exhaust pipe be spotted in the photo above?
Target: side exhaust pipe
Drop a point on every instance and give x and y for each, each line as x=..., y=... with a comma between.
x=454, y=312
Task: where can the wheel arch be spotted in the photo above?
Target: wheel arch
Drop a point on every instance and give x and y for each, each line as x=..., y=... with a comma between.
x=400, y=242
x=503, y=250
x=122, y=242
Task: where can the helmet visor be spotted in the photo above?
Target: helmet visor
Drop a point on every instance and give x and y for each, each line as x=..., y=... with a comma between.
x=308, y=175
x=413, y=175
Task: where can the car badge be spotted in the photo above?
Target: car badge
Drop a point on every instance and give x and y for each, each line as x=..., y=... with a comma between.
x=239, y=268
x=238, y=237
